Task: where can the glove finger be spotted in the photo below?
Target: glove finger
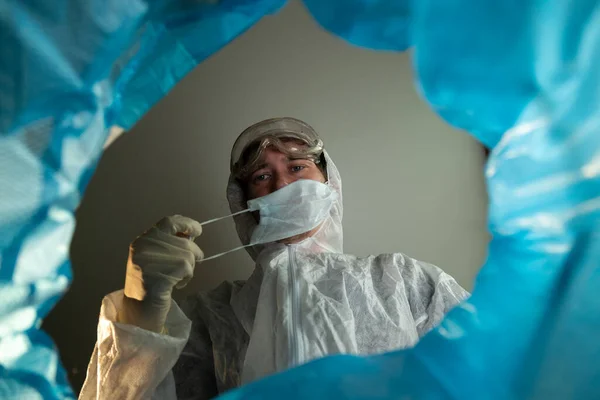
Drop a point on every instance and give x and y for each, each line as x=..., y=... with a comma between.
x=180, y=224
x=183, y=283
x=198, y=253
x=167, y=248
x=167, y=273
x=179, y=242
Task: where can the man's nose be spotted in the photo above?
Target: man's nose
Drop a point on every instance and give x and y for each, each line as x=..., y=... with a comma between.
x=280, y=181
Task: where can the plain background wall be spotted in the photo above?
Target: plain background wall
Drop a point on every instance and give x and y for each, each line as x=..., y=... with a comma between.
x=411, y=183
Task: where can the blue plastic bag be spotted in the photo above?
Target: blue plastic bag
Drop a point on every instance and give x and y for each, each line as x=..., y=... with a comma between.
x=524, y=78
x=69, y=71
x=376, y=24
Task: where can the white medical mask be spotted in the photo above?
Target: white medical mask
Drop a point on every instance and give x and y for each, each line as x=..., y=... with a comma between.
x=296, y=208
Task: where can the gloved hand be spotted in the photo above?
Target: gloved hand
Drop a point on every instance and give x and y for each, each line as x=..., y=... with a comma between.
x=159, y=260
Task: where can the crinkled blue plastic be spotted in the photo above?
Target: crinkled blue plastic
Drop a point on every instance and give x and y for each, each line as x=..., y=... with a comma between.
x=376, y=24
x=69, y=70
x=522, y=76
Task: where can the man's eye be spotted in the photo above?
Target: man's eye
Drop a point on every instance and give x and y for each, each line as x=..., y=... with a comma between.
x=297, y=168
x=260, y=178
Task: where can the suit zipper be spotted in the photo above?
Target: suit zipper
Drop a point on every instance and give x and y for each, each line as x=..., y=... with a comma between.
x=295, y=353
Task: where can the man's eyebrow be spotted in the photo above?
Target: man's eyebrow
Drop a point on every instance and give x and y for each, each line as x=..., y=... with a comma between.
x=260, y=166
x=292, y=158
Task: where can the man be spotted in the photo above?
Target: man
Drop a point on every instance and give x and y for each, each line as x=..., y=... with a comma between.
x=304, y=300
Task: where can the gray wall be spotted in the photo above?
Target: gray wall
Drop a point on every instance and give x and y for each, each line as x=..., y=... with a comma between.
x=411, y=183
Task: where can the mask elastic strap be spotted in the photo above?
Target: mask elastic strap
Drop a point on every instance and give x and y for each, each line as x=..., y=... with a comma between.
x=210, y=221
x=225, y=252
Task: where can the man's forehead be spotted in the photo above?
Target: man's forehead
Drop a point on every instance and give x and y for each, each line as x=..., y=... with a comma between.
x=293, y=144
x=272, y=153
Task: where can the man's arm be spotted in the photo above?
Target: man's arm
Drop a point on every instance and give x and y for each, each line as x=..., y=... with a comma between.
x=130, y=362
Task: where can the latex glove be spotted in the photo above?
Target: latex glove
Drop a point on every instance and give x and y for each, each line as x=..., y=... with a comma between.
x=162, y=258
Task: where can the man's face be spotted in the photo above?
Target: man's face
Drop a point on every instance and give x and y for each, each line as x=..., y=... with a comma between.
x=276, y=170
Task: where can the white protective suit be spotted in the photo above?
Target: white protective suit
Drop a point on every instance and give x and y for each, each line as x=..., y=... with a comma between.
x=303, y=301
